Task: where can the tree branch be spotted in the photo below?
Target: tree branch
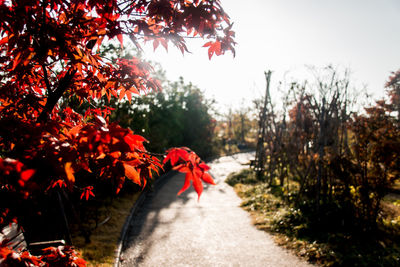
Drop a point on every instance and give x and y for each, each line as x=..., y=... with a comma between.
x=55, y=95
x=151, y=153
x=46, y=79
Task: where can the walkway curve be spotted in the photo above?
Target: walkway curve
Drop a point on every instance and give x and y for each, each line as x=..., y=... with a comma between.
x=170, y=230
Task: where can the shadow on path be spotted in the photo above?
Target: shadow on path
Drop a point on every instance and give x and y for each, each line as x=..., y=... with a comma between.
x=150, y=216
x=171, y=230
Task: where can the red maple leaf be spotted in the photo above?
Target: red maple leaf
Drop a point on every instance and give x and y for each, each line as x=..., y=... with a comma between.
x=186, y=161
x=59, y=183
x=213, y=47
x=87, y=192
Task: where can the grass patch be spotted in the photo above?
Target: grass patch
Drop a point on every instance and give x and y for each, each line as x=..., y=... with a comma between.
x=245, y=176
x=295, y=229
x=103, y=240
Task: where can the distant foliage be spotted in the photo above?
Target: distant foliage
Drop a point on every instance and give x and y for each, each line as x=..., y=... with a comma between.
x=342, y=161
x=179, y=115
x=236, y=130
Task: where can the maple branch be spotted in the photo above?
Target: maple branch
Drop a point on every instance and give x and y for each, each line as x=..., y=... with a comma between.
x=46, y=78
x=152, y=153
x=167, y=36
x=55, y=95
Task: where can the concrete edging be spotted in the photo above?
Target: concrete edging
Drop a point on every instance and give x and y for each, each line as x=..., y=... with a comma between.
x=135, y=207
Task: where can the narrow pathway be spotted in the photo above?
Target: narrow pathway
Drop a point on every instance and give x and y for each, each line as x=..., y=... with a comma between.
x=180, y=231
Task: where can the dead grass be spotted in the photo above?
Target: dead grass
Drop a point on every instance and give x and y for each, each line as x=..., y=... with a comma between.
x=101, y=250
x=396, y=185
x=265, y=208
x=270, y=213
x=391, y=210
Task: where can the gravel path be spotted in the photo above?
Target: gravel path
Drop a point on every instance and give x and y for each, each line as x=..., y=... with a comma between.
x=180, y=231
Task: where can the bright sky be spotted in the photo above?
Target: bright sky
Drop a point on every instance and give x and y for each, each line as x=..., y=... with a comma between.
x=286, y=35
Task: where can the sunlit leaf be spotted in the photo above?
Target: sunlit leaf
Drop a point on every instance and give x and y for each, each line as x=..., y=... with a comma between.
x=132, y=174
x=69, y=171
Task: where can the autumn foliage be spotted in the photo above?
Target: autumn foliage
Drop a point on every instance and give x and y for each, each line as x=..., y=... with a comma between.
x=333, y=163
x=188, y=162
x=51, y=51
x=52, y=256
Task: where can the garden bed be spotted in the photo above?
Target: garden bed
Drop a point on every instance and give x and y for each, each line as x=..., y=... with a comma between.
x=294, y=230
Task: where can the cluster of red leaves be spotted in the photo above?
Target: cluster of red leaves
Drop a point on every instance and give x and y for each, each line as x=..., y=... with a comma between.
x=49, y=50
x=50, y=53
x=188, y=162
x=107, y=150
x=52, y=257
x=16, y=170
x=394, y=79
x=377, y=141
x=393, y=86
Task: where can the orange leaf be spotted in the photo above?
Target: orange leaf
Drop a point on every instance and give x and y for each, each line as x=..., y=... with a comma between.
x=129, y=95
x=213, y=48
x=132, y=173
x=121, y=94
x=207, y=44
x=134, y=90
x=115, y=154
x=16, y=61
x=4, y=40
x=75, y=130
x=69, y=171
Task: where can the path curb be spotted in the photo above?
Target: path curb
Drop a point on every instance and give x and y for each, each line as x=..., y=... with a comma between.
x=135, y=207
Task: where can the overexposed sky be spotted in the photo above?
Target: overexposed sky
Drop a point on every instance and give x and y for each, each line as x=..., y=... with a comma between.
x=286, y=35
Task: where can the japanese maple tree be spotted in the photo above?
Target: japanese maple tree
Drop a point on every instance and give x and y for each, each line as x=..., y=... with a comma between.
x=50, y=50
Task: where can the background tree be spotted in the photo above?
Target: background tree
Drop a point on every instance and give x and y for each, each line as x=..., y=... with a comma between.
x=373, y=161
x=393, y=86
x=333, y=163
x=235, y=130
x=179, y=115
x=241, y=124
